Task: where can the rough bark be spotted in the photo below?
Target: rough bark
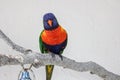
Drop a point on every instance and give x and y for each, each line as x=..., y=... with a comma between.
x=30, y=57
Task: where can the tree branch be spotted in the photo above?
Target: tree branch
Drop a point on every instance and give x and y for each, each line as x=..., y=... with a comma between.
x=30, y=57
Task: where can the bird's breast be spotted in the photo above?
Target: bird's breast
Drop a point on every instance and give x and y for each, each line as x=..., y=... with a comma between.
x=54, y=37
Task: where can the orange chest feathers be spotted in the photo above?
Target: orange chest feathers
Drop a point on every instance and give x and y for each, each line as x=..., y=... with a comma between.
x=54, y=37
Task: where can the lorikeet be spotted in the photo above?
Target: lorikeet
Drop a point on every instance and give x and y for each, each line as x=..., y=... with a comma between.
x=52, y=39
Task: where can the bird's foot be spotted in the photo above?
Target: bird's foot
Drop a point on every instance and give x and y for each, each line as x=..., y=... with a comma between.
x=60, y=56
x=53, y=56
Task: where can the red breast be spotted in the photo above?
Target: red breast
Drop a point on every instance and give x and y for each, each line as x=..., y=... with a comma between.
x=54, y=37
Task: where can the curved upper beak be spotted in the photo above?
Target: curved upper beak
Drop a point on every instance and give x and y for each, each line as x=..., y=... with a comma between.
x=50, y=22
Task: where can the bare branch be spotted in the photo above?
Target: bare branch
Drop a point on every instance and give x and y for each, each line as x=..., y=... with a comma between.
x=8, y=60
x=11, y=43
x=45, y=59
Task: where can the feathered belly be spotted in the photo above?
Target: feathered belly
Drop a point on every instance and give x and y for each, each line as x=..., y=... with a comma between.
x=56, y=48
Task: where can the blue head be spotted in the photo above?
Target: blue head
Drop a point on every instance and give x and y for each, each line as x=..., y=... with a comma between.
x=50, y=21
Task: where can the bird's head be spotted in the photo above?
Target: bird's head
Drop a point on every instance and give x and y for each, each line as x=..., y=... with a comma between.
x=50, y=21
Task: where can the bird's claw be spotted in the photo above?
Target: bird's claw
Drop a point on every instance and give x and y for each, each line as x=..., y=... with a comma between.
x=61, y=57
x=53, y=55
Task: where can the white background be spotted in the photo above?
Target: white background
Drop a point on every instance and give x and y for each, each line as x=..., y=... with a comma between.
x=93, y=28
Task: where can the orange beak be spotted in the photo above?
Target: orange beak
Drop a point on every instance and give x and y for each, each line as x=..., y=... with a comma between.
x=50, y=22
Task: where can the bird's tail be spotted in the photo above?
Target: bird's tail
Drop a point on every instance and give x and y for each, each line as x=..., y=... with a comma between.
x=49, y=70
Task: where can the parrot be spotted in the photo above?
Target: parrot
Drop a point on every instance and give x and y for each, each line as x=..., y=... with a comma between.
x=53, y=38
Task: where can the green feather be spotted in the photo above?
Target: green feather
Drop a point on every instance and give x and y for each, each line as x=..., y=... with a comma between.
x=49, y=68
x=41, y=46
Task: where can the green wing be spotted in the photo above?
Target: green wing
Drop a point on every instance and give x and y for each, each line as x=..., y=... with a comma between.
x=49, y=68
x=41, y=46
